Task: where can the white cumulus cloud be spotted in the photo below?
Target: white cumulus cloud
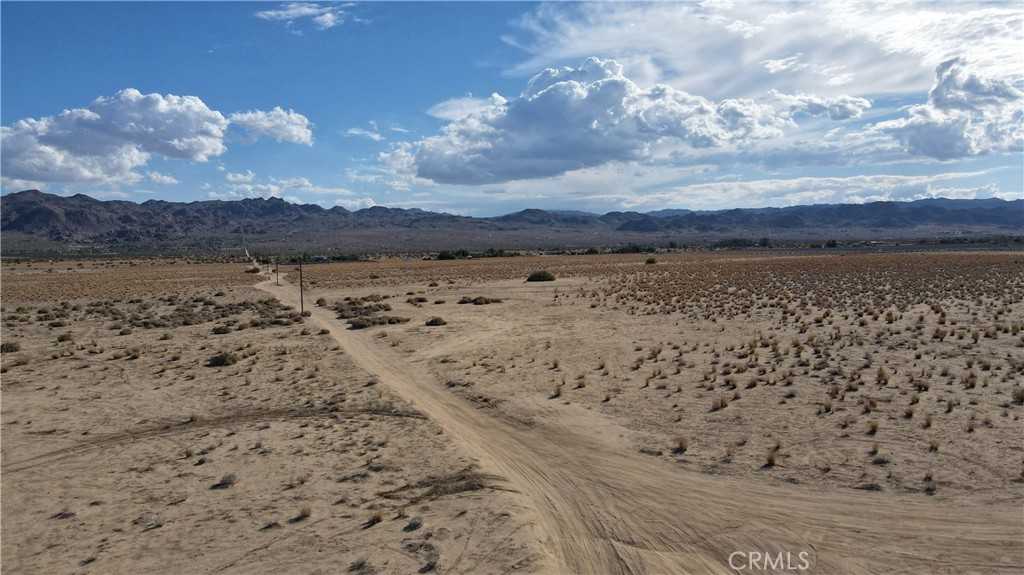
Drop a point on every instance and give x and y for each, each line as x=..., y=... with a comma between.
x=247, y=185
x=280, y=124
x=111, y=137
x=967, y=114
x=570, y=118
x=158, y=178
x=240, y=178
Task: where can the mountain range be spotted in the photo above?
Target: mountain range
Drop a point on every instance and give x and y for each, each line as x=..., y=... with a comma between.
x=35, y=222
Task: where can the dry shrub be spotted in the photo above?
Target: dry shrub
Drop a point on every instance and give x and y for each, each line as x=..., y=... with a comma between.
x=222, y=359
x=479, y=300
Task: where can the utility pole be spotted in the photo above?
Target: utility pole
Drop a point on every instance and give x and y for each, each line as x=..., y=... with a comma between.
x=302, y=308
x=277, y=272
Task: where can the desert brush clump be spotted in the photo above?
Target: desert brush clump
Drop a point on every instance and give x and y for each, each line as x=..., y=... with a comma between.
x=540, y=276
x=1018, y=395
x=359, y=307
x=365, y=312
x=680, y=445
x=222, y=359
x=478, y=300
x=364, y=322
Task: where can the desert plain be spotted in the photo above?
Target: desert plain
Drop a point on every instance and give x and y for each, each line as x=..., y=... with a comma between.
x=638, y=413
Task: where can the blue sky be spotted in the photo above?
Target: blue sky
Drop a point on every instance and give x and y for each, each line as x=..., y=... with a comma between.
x=596, y=107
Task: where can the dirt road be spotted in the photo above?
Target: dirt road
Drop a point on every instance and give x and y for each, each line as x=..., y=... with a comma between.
x=602, y=509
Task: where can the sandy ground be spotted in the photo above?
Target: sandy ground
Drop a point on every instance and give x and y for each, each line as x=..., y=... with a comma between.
x=124, y=452
x=628, y=417
x=655, y=434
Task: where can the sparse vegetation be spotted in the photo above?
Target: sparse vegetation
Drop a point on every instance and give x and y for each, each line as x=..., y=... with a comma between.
x=680, y=446
x=222, y=359
x=478, y=300
x=715, y=362
x=370, y=321
x=225, y=482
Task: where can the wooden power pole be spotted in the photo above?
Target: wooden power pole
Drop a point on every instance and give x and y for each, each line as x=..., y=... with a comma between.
x=277, y=272
x=302, y=307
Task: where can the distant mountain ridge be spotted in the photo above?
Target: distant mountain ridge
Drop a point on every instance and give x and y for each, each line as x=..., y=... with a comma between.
x=85, y=221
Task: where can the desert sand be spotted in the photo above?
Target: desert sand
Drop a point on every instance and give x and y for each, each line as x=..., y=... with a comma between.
x=637, y=414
